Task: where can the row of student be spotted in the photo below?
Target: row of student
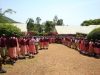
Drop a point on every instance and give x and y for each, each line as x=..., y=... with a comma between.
x=15, y=48
x=84, y=46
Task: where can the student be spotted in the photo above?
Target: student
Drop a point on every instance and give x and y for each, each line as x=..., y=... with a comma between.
x=3, y=45
x=50, y=40
x=81, y=46
x=1, y=68
x=41, y=43
x=36, y=42
x=18, y=47
x=86, y=46
x=46, y=43
x=12, y=49
x=77, y=43
x=1, y=59
x=91, y=48
x=32, y=50
x=73, y=43
x=63, y=40
x=27, y=45
x=97, y=48
x=23, y=47
x=67, y=40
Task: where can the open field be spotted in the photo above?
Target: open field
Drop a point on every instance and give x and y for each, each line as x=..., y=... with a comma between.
x=57, y=60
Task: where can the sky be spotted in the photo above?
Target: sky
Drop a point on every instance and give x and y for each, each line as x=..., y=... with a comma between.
x=73, y=12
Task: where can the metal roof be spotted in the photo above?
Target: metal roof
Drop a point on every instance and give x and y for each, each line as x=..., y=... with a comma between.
x=75, y=29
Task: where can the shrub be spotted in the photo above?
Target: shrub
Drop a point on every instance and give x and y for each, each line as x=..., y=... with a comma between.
x=9, y=30
x=95, y=34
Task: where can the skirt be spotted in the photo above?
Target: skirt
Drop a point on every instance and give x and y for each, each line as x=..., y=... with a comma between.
x=32, y=49
x=23, y=50
x=97, y=50
x=12, y=52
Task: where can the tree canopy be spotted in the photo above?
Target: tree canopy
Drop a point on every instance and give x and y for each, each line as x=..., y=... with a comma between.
x=60, y=22
x=95, y=34
x=30, y=24
x=6, y=26
x=38, y=19
x=4, y=19
x=49, y=26
x=9, y=29
x=91, y=22
x=55, y=19
x=35, y=28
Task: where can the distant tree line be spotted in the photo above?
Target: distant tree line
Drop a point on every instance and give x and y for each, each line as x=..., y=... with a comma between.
x=91, y=22
x=94, y=34
x=35, y=26
x=46, y=27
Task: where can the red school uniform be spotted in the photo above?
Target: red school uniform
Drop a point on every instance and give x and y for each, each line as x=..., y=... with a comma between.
x=12, y=50
x=31, y=46
x=23, y=46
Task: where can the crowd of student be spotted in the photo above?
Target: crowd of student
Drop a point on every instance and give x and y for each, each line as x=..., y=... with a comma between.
x=13, y=48
x=84, y=46
x=18, y=48
x=81, y=44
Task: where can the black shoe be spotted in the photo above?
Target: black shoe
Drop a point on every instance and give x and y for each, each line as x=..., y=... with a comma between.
x=40, y=49
x=32, y=56
x=12, y=63
x=3, y=71
x=97, y=56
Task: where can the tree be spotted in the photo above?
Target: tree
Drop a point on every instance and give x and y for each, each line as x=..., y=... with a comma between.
x=95, y=34
x=9, y=29
x=91, y=22
x=34, y=27
x=38, y=26
x=60, y=22
x=30, y=24
x=3, y=18
x=49, y=26
x=40, y=30
x=6, y=11
x=38, y=19
x=55, y=19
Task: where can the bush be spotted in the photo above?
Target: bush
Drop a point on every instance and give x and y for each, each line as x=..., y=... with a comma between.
x=9, y=30
x=95, y=34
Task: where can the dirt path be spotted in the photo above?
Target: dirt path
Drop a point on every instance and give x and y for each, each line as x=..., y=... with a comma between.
x=57, y=60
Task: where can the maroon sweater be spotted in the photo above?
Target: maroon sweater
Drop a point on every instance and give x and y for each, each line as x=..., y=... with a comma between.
x=3, y=42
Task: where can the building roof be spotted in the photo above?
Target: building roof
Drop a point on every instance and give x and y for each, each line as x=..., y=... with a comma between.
x=75, y=29
x=21, y=26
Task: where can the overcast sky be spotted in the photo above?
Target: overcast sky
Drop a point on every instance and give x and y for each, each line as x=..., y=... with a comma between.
x=73, y=12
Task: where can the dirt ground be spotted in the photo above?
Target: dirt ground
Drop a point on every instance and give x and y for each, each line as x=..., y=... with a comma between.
x=57, y=60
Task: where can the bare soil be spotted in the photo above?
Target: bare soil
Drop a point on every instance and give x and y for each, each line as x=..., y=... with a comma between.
x=57, y=60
